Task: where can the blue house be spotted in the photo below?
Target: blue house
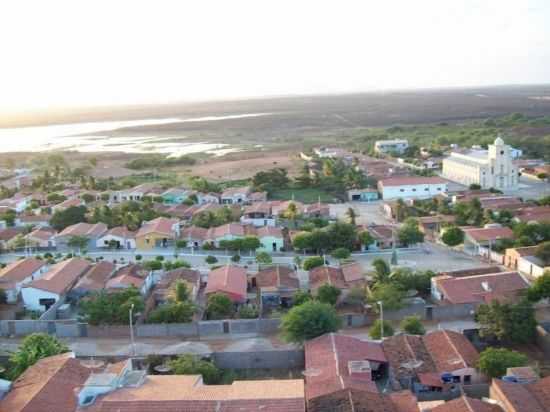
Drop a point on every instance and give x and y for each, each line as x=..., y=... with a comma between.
x=176, y=196
x=363, y=195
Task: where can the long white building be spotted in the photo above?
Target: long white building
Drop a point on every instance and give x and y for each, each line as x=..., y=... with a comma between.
x=487, y=168
x=411, y=187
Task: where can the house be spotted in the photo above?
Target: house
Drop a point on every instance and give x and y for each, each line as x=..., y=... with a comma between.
x=476, y=238
x=42, y=293
x=343, y=279
x=41, y=238
x=316, y=210
x=228, y=280
x=465, y=403
x=235, y=195
x=532, y=266
x=383, y=235
x=190, y=277
x=279, y=207
x=72, y=202
x=512, y=255
x=198, y=237
x=134, y=194
x=271, y=239
x=478, y=289
x=19, y=273
x=176, y=196
x=439, y=361
x=276, y=286
x=534, y=214
x=94, y=280
x=18, y=202
x=258, y=214
x=160, y=232
x=8, y=235
x=354, y=400
x=85, y=230
x=131, y=275
x=203, y=198
x=514, y=396
x=431, y=225
x=391, y=146
x=134, y=390
x=51, y=384
x=41, y=220
x=118, y=237
x=492, y=168
x=363, y=195
x=411, y=187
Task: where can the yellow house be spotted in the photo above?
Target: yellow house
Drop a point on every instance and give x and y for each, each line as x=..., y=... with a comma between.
x=160, y=232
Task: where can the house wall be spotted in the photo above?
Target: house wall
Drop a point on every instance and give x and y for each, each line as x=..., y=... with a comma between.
x=150, y=240
x=128, y=243
x=32, y=296
x=267, y=244
x=529, y=268
x=259, y=222
x=13, y=294
x=412, y=191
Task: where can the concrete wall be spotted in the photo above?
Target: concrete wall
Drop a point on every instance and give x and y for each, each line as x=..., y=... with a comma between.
x=62, y=329
x=280, y=359
x=167, y=329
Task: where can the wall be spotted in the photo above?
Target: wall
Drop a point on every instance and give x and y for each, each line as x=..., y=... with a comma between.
x=543, y=338
x=293, y=358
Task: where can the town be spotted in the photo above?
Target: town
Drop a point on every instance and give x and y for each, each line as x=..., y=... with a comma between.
x=400, y=279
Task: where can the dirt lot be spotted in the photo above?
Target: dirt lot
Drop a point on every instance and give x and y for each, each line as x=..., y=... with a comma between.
x=245, y=165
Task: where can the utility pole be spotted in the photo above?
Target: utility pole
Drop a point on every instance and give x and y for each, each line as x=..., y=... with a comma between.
x=381, y=320
x=132, y=330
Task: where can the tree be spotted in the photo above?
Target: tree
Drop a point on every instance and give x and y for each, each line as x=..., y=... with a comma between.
x=341, y=253
x=389, y=294
x=173, y=312
x=375, y=331
x=328, y=294
x=309, y=320
x=301, y=296
x=302, y=241
x=412, y=325
x=453, y=236
x=366, y=238
x=493, y=362
x=291, y=213
x=33, y=348
x=235, y=258
x=263, y=258
x=381, y=270
x=248, y=312
x=219, y=306
x=313, y=262
x=251, y=243
x=111, y=308
x=152, y=265
x=543, y=252
x=352, y=215
x=475, y=186
x=270, y=180
x=409, y=233
x=211, y=259
x=540, y=289
x=180, y=292
x=191, y=365
x=513, y=323
x=70, y=216
x=78, y=242
x=340, y=235
x=401, y=210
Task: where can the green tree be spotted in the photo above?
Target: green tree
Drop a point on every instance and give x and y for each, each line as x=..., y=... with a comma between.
x=412, y=325
x=453, y=236
x=152, y=265
x=263, y=258
x=33, y=348
x=409, y=233
x=302, y=241
x=78, y=242
x=235, y=258
x=375, y=331
x=219, y=306
x=366, y=238
x=543, y=252
x=352, y=215
x=291, y=213
x=270, y=180
x=309, y=320
x=211, y=259
x=191, y=365
x=70, y=216
x=102, y=308
x=504, y=322
x=493, y=362
x=389, y=294
x=248, y=312
x=172, y=312
x=328, y=294
x=341, y=253
x=251, y=243
x=301, y=296
x=540, y=289
x=381, y=270
x=313, y=262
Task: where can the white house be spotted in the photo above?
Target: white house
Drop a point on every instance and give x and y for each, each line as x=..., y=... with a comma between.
x=203, y=198
x=391, y=146
x=258, y=214
x=411, y=187
x=42, y=293
x=19, y=273
x=136, y=193
x=119, y=237
x=235, y=195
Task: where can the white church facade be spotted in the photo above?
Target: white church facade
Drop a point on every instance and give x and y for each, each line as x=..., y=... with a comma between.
x=487, y=168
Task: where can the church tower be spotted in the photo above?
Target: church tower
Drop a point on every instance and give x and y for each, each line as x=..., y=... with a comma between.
x=502, y=171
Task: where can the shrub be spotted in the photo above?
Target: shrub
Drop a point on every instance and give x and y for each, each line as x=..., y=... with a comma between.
x=235, y=258
x=493, y=362
x=211, y=259
x=375, y=331
x=248, y=312
x=328, y=294
x=313, y=262
x=412, y=325
x=309, y=320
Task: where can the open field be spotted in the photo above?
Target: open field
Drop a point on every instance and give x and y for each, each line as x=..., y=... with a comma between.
x=310, y=195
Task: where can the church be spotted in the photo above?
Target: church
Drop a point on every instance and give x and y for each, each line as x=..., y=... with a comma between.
x=487, y=168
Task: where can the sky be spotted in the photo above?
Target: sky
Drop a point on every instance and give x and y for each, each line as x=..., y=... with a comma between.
x=86, y=53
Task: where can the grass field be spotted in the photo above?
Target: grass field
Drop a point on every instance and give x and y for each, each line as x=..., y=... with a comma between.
x=310, y=195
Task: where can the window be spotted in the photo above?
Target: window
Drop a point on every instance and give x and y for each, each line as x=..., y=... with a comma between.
x=401, y=190
x=502, y=152
x=467, y=379
x=492, y=170
x=426, y=189
x=439, y=189
x=414, y=190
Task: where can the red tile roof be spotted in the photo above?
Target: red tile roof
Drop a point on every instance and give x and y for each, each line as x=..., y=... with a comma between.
x=480, y=288
x=47, y=386
x=409, y=181
x=229, y=280
x=18, y=271
x=96, y=278
x=486, y=234
x=270, y=231
x=533, y=397
x=62, y=276
x=84, y=229
x=334, y=276
x=278, y=277
x=122, y=232
x=533, y=214
x=466, y=404
x=160, y=225
x=126, y=276
x=327, y=364
x=353, y=400
x=450, y=350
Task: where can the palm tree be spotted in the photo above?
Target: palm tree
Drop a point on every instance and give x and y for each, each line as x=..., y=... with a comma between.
x=352, y=215
x=291, y=213
x=382, y=271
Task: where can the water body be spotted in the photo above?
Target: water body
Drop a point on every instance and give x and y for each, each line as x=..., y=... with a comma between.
x=100, y=137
